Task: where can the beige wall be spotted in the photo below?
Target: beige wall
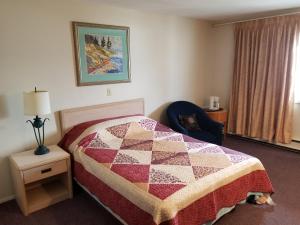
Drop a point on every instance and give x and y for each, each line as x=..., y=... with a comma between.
x=168, y=62
x=223, y=57
x=222, y=62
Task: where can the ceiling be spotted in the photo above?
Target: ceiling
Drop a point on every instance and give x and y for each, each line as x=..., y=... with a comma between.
x=213, y=10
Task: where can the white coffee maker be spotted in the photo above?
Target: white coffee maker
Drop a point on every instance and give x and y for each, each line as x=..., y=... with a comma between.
x=214, y=103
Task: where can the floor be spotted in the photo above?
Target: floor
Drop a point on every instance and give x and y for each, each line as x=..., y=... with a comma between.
x=283, y=168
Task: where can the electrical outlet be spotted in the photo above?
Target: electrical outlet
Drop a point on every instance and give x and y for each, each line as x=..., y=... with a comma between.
x=108, y=92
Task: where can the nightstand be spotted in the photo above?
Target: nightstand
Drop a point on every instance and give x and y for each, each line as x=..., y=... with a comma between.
x=219, y=116
x=41, y=180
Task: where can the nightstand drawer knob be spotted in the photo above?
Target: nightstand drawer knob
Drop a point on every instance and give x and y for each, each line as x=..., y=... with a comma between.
x=46, y=170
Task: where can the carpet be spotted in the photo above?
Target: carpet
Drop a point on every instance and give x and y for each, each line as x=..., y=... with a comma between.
x=282, y=166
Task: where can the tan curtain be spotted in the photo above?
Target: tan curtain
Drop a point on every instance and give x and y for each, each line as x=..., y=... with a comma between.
x=261, y=104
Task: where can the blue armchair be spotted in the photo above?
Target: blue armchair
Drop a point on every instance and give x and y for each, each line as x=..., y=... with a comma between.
x=211, y=131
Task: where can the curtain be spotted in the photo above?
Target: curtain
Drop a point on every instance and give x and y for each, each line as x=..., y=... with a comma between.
x=261, y=103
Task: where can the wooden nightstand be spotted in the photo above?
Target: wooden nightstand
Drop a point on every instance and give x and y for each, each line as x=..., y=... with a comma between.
x=41, y=180
x=219, y=116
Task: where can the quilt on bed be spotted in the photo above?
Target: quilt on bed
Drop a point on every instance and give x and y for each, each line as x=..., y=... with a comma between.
x=148, y=174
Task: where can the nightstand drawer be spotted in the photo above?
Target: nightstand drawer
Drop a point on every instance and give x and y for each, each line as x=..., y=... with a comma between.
x=41, y=172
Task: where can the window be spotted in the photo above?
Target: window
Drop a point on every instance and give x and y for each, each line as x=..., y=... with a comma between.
x=297, y=72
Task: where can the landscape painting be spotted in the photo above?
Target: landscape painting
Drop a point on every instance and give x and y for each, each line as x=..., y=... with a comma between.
x=102, y=53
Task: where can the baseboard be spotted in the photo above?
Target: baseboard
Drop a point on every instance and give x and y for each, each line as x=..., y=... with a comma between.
x=7, y=198
x=264, y=142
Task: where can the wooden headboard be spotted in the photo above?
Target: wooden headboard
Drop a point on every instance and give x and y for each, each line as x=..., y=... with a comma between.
x=74, y=116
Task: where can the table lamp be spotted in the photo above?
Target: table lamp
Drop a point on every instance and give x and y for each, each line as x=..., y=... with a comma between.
x=37, y=103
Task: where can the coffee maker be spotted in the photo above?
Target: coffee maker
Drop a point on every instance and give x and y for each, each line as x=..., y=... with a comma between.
x=214, y=103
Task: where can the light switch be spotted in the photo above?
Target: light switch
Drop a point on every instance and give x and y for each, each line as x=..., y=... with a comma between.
x=108, y=92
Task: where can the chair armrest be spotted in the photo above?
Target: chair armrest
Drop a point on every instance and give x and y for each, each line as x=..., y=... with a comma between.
x=217, y=129
x=211, y=126
x=177, y=127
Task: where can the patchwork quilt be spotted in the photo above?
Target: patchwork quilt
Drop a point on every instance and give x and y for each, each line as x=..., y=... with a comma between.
x=146, y=173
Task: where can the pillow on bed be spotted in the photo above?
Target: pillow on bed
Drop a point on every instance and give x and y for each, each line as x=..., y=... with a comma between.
x=189, y=122
x=72, y=134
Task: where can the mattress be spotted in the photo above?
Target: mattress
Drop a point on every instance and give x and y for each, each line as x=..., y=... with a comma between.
x=146, y=173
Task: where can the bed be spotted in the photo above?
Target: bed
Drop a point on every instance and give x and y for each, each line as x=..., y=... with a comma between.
x=145, y=173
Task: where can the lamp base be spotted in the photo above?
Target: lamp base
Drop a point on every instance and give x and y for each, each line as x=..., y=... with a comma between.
x=41, y=150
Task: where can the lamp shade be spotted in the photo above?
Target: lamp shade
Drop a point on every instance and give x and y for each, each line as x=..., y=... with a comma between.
x=37, y=103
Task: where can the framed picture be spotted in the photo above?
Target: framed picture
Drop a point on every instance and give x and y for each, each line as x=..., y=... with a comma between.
x=102, y=53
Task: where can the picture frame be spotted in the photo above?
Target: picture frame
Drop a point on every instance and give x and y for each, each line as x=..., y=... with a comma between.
x=102, y=54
